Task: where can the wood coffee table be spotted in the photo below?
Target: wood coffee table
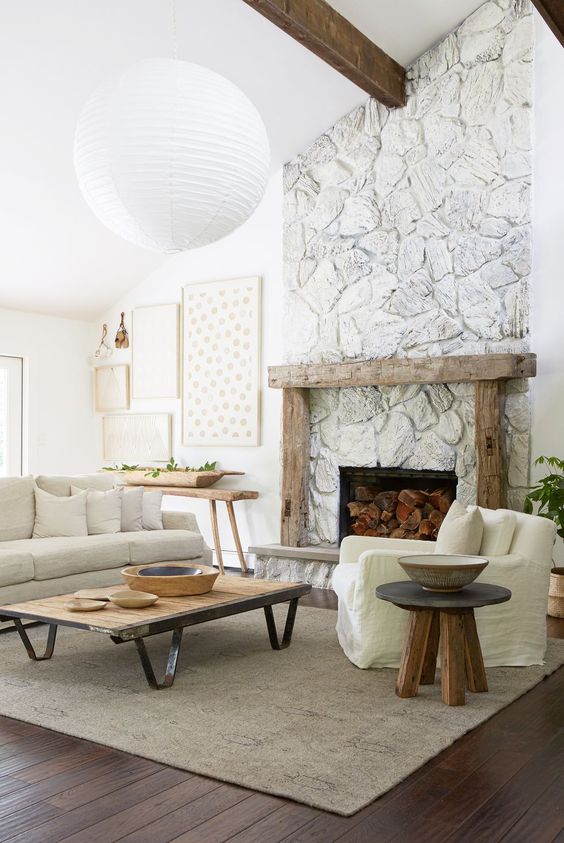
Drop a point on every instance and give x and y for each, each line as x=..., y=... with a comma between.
x=447, y=617
x=230, y=596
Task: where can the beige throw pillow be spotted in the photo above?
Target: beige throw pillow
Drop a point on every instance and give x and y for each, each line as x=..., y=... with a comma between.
x=17, y=508
x=461, y=531
x=58, y=516
x=103, y=510
x=132, y=510
x=152, y=513
x=499, y=526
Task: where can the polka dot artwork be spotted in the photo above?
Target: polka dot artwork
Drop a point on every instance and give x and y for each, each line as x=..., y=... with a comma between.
x=221, y=360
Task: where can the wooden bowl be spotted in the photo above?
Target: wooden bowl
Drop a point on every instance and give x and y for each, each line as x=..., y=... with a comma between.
x=84, y=605
x=129, y=599
x=442, y=572
x=171, y=579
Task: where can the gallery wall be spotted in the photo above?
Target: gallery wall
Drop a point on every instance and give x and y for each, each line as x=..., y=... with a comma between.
x=254, y=249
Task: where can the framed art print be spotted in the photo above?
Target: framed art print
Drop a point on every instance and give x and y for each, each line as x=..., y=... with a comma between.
x=154, y=352
x=137, y=438
x=221, y=359
x=111, y=388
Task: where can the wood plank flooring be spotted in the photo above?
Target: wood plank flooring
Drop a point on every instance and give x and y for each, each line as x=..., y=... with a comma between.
x=503, y=781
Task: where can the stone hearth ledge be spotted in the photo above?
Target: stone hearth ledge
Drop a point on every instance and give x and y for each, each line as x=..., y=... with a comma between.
x=313, y=564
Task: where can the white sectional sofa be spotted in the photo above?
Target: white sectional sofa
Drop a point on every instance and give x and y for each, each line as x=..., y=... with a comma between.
x=40, y=567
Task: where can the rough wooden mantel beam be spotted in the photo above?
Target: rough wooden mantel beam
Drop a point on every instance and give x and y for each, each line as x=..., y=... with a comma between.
x=464, y=368
x=553, y=13
x=316, y=25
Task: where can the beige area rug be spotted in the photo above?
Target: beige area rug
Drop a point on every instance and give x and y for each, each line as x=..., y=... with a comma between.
x=302, y=723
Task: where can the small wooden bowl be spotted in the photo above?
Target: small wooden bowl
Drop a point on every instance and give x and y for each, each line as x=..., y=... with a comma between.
x=84, y=605
x=171, y=579
x=129, y=599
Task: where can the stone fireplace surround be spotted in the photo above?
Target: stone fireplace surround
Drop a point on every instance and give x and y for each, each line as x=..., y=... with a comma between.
x=493, y=378
x=407, y=238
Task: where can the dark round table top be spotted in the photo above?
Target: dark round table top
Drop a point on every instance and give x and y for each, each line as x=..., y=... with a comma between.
x=470, y=597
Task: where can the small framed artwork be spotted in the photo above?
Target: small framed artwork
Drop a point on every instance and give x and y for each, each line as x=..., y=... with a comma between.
x=154, y=354
x=111, y=388
x=220, y=361
x=137, y=438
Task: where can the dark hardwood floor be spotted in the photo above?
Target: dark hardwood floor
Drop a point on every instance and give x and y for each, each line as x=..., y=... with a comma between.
x=503, y=781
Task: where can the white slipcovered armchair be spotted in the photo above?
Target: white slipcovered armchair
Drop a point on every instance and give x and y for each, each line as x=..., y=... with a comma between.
x=372, y=632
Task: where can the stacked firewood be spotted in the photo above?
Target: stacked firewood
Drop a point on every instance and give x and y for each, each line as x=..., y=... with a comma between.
x=409, y=514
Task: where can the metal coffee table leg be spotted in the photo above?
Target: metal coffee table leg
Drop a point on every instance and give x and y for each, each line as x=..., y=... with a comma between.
x=171, y=664
x=52, y=635
x=288, y=628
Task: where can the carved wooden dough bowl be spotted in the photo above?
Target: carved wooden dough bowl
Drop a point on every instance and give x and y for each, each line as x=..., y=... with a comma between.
x=169, y=584
x=188, y=479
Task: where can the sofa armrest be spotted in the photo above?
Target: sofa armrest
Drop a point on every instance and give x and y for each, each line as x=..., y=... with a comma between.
x=178, y=520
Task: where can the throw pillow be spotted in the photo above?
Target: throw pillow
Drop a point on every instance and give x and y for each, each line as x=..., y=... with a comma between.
x=17, y=508
x=132, y=510
x=461, y=531
x=152, y=513
x=103, y=510
x=499, y=526
x=60, y=484
x=58, y=516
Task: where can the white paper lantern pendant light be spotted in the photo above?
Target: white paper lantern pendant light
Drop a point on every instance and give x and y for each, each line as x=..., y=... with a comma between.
x=171, y=156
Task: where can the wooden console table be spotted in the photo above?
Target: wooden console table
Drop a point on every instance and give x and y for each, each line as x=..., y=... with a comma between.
x=211, y=494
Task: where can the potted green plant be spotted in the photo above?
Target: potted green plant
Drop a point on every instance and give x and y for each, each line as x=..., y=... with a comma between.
x=548, y=496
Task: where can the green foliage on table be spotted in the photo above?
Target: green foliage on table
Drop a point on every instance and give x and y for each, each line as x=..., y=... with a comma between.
x=172, y=465
x=548, y=493
x=124, y=467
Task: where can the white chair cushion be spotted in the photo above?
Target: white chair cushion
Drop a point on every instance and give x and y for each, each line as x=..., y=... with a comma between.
x=132, y=510
x=59, y=516
x=499, y=526
x=461, y=531
x=103, y=510
x=17, y=508
x=164, y=546
x=60, y=484
x=16, y=566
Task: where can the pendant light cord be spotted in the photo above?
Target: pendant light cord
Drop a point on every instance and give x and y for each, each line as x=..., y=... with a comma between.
x=173, y=29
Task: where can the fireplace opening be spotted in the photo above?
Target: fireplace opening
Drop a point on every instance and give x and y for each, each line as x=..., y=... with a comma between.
x=394, y=502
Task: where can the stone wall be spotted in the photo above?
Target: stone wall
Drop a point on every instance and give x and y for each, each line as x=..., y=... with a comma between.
x=407, y=232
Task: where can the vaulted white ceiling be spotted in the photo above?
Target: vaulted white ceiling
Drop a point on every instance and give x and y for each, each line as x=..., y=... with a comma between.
x=55, y=256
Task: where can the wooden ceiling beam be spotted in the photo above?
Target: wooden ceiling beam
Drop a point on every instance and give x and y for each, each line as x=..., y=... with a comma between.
x=316, y=25
x=553, y=13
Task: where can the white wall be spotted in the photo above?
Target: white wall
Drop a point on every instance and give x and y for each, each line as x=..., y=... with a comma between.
x=548, y=250
x=60, y=432
x=254, y=249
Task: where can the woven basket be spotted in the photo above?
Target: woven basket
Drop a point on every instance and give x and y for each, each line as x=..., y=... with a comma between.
x=556, y=593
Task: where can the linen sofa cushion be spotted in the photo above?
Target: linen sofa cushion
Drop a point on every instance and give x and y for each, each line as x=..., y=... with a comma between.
x=60, y=485
x=152, y=514
x=63, y=556
x=17, y=507
x=499, y=526
x=59, y=516
x=132, y=510
x=164, y=546
x=16, y=566
x=103, y=510
x=461, y=531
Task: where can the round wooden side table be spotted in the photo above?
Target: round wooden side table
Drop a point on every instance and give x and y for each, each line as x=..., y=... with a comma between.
x=446, y=618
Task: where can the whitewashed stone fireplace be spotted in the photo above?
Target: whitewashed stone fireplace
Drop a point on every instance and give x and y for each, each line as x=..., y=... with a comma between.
x=407, y=234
